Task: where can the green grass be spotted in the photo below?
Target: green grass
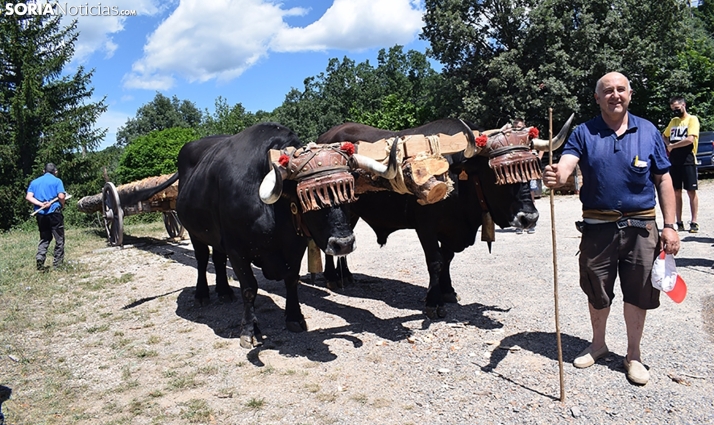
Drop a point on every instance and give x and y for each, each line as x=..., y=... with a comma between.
x=196, y=412
x=38, y=307
x=255, y=403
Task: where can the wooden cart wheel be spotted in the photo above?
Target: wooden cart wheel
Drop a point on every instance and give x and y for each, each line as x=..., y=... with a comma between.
x=173, y=225
x=113, y=215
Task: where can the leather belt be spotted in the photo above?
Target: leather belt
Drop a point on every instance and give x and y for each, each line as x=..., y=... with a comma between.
x=620, y=224
x=633, y=222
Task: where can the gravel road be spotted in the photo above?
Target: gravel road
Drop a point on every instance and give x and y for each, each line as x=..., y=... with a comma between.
x=371, y=357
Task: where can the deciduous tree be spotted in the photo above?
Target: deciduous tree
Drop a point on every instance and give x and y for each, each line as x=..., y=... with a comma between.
x=160, y=114
x=510, y=58
x=153, y=154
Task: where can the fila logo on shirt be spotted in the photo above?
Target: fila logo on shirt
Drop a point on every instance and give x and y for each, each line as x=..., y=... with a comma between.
x=677, y=133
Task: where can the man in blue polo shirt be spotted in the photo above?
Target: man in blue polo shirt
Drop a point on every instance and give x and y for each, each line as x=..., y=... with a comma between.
x=47, y=194
x=624, y=163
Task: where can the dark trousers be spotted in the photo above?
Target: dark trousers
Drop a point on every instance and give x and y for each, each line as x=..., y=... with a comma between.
x=50, y=225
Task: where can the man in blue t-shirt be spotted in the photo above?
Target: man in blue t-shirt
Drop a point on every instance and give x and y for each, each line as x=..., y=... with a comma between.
x=624, y=163
x=47, y=194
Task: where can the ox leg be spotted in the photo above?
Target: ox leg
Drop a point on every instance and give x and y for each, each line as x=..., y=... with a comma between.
x=448, y=294
x=337, y=274
x=434, y=308
x=224, y=291
x=201, y=252
x=250, y=335
x=294, y=320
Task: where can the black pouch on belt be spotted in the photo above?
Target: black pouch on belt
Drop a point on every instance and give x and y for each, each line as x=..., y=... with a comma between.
x=580, y=225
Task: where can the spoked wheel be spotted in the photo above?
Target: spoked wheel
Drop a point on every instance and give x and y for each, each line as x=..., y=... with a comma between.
x=173, y=225
x=113, y=215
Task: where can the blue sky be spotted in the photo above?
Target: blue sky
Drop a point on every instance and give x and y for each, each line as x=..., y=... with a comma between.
x=248, y=51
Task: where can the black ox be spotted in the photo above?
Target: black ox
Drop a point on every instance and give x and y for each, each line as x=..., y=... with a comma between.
x=233, y=199
x=449, y=226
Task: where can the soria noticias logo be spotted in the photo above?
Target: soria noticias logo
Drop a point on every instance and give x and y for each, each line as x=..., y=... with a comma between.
x=56, y=8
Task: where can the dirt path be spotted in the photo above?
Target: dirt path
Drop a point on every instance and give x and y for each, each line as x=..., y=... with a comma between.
x=143, y=353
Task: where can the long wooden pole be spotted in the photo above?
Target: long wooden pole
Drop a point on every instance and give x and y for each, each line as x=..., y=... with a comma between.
x=555, y=261
x=50, y=203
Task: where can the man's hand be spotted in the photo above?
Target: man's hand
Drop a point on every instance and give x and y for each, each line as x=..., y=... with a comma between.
x=669, y=242
x=550, y=176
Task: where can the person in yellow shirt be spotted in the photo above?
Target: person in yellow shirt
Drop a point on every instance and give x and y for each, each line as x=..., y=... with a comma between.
x=681, y=138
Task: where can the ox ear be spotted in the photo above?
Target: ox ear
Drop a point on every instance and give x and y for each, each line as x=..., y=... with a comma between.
x=544, y=145
x=272, y=186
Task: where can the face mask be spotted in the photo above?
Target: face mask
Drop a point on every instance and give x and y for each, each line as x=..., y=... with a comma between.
x=677, y=112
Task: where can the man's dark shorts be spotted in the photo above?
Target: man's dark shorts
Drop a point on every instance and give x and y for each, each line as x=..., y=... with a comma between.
x=684, y=176
x=606, y=251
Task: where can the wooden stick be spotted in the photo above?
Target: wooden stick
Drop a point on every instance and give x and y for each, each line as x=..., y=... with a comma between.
x=555, y=261
x=51, y=202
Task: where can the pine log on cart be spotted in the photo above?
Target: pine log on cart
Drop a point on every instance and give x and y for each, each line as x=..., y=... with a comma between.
x=166, y=199
x=145, y=195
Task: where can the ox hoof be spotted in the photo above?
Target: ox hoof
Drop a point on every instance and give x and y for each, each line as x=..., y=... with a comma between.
x=226, y=295
x=202, y=301
x=296, y=327
x=430, y=312
x=451, y=297
x=249, y=341
x=334, y=285
x=433, y=313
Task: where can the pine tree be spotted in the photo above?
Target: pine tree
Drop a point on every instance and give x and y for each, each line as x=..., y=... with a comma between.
x=45, y=115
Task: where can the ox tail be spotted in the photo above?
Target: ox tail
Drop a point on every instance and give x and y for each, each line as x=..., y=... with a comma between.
x=135, y=197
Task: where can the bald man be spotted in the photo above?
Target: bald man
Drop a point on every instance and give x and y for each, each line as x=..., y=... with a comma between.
x=624, y=164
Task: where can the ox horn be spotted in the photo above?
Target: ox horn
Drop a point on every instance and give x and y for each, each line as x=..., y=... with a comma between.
x=471, y=148
x=371, y=165
x=272, y=186
x=543, y=145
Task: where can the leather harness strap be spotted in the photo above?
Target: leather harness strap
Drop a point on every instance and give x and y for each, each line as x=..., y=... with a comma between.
x=479, y=193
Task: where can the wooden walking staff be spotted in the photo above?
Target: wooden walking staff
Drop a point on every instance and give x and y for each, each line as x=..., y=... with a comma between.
x=55, y=199
x=555, y=259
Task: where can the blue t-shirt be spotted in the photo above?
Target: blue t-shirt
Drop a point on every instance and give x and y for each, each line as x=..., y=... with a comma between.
x=46, y=188
x=611, y=178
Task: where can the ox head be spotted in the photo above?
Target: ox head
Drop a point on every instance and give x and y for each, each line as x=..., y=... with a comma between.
x=509, y=151
x=324, y=185
x=504, y=165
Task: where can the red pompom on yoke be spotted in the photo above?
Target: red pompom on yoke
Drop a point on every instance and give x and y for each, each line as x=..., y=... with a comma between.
x=284, y=160
x=481, y=140
x=533, y=133
x=348, y=148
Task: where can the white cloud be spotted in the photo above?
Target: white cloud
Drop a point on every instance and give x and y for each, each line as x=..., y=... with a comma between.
x=355, y=25
x=220, y=39
x=95, y=32
x=207, y=40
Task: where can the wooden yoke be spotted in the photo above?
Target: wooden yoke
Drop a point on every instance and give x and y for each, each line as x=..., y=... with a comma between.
x=415, y=144
x=424, y=171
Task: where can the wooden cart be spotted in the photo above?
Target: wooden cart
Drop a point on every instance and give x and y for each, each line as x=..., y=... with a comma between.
x=113, y=210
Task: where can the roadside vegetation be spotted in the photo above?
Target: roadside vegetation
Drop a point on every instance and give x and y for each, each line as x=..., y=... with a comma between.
x=487, y=62
x=39, y=307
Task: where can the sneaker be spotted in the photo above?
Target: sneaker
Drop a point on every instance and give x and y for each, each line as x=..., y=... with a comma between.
x=636, y=372
x=519, y=231
x=680, y=226
x=531, y=230
x=588, y=358
x=693, y=227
